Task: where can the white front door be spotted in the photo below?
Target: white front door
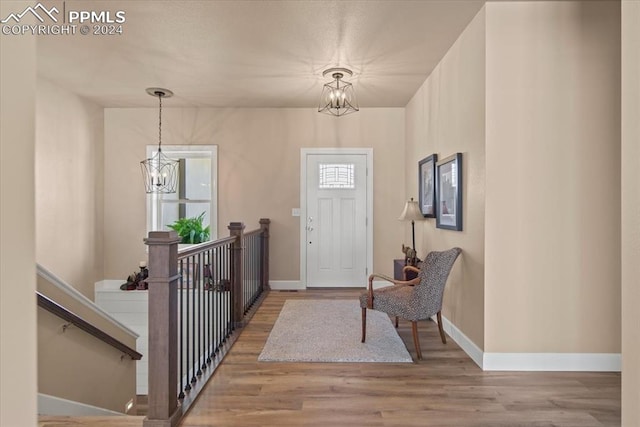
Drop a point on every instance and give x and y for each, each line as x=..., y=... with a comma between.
x=336, y=223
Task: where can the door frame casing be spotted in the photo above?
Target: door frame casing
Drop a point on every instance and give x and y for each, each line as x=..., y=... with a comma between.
x=304, y=152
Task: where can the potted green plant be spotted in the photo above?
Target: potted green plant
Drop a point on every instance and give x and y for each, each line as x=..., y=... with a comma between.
x=191, y=230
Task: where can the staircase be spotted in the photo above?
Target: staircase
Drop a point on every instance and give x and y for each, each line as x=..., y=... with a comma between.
x=86, y=359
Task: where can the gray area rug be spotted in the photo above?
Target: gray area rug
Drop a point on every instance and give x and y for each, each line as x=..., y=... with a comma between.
x=330, y=331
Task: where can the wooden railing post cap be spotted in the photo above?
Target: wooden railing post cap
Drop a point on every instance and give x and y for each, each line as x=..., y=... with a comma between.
x=162, y=238
x=264, y=226
x=236, y=226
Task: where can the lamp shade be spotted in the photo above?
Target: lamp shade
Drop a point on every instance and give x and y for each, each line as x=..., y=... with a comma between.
x=411, y=212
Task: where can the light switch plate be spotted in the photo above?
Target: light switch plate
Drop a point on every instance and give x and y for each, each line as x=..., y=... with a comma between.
x=295, y=212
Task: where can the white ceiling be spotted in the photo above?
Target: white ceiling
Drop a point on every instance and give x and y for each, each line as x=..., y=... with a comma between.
x=256, y=53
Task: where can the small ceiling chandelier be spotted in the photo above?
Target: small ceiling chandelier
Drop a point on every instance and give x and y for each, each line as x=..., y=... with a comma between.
x=338, y=96
x=159, y=172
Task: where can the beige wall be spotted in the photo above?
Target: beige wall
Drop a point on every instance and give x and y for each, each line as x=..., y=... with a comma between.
x=630, y=213
x=69, y=174
x=446, y=116
x=552, y=248
x=258, y=175
x=18, y=350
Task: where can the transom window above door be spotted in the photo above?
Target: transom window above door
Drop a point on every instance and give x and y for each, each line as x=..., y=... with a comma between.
x=336, y=175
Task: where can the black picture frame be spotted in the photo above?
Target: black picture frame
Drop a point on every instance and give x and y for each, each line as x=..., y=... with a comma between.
x=449, y=193
x=426, y=186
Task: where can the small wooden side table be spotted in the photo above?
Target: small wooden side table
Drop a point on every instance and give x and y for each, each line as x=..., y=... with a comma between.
x=398, y=265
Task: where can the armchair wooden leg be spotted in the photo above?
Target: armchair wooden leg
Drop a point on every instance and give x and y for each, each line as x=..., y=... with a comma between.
x=416, y=341
x=364, y=324
x=442, y=335
x=396, y=322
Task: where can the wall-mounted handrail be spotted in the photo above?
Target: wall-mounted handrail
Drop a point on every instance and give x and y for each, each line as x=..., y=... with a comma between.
x=65, y=314
x=78, y=297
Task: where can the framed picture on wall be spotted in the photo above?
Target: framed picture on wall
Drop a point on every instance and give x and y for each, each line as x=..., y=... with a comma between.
x=426, y=185
x=449, y=193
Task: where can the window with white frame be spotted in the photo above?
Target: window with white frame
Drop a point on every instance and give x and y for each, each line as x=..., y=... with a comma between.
x=197, y=188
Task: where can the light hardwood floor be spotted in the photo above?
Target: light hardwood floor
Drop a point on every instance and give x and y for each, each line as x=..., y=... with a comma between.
x=444, y=389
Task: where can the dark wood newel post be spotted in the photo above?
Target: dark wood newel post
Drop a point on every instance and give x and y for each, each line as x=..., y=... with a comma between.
x=237, y=229
x=264, y=262
x=163, y=410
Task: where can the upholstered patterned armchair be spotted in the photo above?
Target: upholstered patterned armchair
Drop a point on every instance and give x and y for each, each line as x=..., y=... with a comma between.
x=412, y=300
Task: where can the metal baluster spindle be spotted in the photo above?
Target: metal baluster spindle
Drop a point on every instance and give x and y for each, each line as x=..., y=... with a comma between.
x=180, y=334
x=207, y=342
x=193, y=332
x=254, y=248
x=250, y=272
x=185, y=273
x=218, y=293
x=225, y=273
x=245, y=290
x=212, y=257
x=217, y=299
x=256, y=265
x=198, y=294
x=230, y=305
x=216, y=325
x=203, y=319
x=253, y=268
x=246, y=295
x=223, y=277
x=247, y=275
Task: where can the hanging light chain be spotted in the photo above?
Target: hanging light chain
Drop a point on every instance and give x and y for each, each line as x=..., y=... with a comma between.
x=159, y=172
x=160, y=123
x=337, y=76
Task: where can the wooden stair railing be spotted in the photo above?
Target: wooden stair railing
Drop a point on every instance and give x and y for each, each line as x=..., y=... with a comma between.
x=199, y=298
x=65, y=314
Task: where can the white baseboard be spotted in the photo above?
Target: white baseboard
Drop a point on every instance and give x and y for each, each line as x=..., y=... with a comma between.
x=51, y=405
x=468, y=346
x=581, y=362
x=286, y=285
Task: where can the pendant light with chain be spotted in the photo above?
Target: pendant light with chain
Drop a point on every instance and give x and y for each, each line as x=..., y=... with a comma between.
x=159, y=172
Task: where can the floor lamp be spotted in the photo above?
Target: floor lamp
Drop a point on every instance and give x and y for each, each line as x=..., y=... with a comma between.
x=412, y=213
